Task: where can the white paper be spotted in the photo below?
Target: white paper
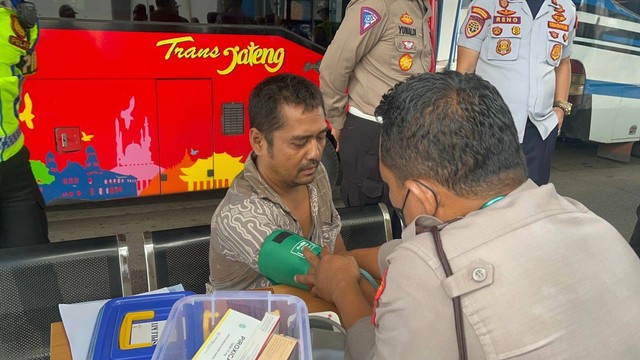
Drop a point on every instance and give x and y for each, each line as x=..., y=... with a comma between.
x=79, y=320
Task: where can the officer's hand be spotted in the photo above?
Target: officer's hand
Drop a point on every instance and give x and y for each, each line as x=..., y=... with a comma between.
x=336, y=135
x=560, y=114
x=329, y=274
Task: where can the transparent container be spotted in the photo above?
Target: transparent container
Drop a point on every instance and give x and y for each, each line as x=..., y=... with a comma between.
x=194, y=317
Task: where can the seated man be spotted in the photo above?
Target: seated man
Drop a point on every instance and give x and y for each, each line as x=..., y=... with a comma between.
x=283, y=184
x=534, y=274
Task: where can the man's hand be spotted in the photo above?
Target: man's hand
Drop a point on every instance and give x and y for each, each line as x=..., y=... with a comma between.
x=560, y=114
x=336, y=135
x=329, y=275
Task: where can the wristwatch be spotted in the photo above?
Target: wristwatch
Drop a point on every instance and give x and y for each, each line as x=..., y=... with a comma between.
x=565, y=106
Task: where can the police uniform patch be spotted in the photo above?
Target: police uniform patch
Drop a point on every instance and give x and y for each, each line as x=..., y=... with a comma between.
x=474, y=26
x=557, y=26
x=496, y=30
x=565, y=37
x=17, y=27
x=18, y=40
x=554, y=34
x=408, y=45
x=556, y=52
x=503, y=47
x=515, y=30
x=405, y=62
x=406, y=19
x=559, y=17
x=480, y=12
x=504, y=4
x=368, y=18
x=507, y=19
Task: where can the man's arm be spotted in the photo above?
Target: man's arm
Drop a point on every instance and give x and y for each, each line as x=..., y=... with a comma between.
x=367, y=260
x=336, y=279
x=473, y=32
x=563, y=81
x=467, y=60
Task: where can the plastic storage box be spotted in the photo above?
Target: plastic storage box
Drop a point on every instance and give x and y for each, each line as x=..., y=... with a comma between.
x=194, y=317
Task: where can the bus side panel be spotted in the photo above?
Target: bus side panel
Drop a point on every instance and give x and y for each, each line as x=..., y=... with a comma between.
x=108, y=128
x=146, y=106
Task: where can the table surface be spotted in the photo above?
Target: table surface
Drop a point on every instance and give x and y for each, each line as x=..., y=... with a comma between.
x=60, y=349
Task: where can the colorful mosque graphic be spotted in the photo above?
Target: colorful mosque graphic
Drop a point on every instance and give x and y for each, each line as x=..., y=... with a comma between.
x=89, y=182
x=135, y=158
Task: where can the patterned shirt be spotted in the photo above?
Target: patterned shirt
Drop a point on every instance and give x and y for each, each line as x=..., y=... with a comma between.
x=251, y=211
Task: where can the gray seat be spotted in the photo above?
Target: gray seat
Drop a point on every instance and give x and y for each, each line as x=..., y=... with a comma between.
x=178, y=256
x=365, y=226
x=35, y=279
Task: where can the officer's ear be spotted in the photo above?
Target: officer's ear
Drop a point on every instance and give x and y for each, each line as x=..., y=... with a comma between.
x=425, y=195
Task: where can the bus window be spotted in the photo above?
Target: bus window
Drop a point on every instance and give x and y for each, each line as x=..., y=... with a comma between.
x=630, y=5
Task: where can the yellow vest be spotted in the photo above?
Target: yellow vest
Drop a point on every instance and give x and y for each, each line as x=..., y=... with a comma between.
x=15, y=43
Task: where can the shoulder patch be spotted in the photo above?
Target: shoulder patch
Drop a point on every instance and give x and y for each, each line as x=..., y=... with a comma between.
x=474, y=25
x=368, y=18
x=480, y=12
x=376, y=299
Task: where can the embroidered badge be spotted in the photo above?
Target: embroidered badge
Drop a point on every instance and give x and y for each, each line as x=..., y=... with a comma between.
x=376, y=298
x=407, y=30
x=368, y=18
x=18, y=40
x=565, y=37
x=556, y=52
x=504, y=4
x=515, y=30
x=406, y=19
x=17, y=27
x=554, y=34
x=496, y=30
x=559, y=17
x=558, y=8
x=503, y=47
x=557, y=26
x=507, y=19
x=408, y=45
x=480, y=12
x=474, y=26
x=405, y=62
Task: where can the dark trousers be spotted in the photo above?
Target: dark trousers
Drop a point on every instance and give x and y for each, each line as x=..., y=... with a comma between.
x=538, y=153
x=22, y=217
x=359, y=146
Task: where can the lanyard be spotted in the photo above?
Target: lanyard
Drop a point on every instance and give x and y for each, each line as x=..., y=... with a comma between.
x=492, y=201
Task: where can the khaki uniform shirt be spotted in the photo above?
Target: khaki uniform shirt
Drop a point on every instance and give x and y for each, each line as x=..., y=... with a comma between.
x=559, y=283
x=251, y=211
x=379, y=43
x=519, y=54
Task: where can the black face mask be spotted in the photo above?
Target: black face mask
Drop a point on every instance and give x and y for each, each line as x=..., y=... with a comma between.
x=400, y=212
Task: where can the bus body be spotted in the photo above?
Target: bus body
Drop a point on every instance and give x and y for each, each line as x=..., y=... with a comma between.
x=123, y=109
x=132, y=111
x=605, y=89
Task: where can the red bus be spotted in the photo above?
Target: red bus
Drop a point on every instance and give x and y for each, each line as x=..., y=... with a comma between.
x=123, y=109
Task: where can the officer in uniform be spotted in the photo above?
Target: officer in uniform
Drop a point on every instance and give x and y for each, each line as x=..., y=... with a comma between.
x=22, y=217
x=379, y=43
x=523, y=48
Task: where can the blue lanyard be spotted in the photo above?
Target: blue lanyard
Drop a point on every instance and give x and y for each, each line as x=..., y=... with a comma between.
x=492, y=201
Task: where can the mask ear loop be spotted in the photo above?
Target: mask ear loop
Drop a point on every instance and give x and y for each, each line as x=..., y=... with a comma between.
x=435, y=196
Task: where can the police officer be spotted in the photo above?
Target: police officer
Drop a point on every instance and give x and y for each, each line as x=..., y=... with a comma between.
x=379, y=43
x=22, y=217
x=523, y=48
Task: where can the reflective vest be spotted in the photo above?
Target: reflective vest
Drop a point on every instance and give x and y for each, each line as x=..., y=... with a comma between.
x=15, y=44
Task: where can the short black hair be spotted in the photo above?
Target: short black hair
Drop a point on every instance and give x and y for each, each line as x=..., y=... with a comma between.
x=453, y=129
x=272, y=93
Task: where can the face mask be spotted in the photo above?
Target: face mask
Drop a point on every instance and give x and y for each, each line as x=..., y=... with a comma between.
x=400, y=212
